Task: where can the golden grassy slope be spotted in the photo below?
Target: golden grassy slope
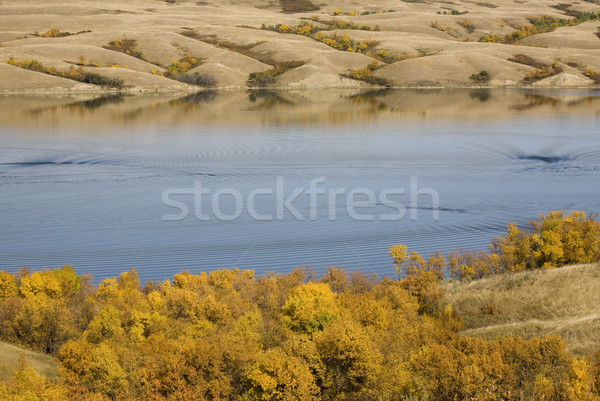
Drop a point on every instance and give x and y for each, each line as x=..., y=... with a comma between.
x=44, y=365
x=564, y=301
x=407, y=31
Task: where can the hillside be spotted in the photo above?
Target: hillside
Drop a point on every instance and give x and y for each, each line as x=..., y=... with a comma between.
x=44, y=365
x=564, y=301
x=140, y=44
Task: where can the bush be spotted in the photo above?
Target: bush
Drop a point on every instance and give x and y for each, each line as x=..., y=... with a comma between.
x=55, y=33
x=468, y=25
x=593, y=75
x=97, y=79
x=526, y=60
x=298, y=6
x=182, y=65
x=544, y=72
x=366, y=75
x=262, y=79
x=483, y=77
x=538, y=25
x=76, y=74
x=203, y=80
x=126, y=46
x=490, y=309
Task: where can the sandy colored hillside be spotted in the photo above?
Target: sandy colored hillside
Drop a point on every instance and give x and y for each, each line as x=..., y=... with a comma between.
x=43, y=364
x=416, y=44
x=563, y=301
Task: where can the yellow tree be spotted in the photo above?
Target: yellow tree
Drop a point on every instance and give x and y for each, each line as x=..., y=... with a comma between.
x=276, y=376
x=309, y=308
x=398, y=253
x=8, y=286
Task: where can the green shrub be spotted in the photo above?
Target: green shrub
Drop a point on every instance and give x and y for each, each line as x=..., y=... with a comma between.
x=298, y=6
x=203, y=80
x=97, y=79
x=483, y=77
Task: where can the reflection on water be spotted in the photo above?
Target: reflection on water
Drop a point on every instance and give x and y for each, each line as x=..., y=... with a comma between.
x=82, y=179
x=322, y=107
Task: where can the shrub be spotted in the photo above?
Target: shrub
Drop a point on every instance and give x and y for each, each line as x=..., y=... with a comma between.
x=366, y=75
x=54, y=33
x=483, y=77
x=308, y=29
x=262, y=79
x=97, y=79
x=339, y=42
x=203, y=80
x=126, y=46
x=526, y=60
x=544, y=72
x=344, y=43
x=76, y=74
x=539, y=25
x=592, y=75
x=468, y=25
x=182, y=65
x=298, y=6
x=490, y=309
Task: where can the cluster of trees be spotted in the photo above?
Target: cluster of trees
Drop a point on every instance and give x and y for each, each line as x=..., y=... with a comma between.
x=540, y=25
x=551, y=241
x=228, y=335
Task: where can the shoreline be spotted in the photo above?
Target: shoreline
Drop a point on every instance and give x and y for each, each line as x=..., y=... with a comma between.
x=143, y=92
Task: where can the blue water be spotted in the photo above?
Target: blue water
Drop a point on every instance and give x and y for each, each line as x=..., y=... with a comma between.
x=85, y=188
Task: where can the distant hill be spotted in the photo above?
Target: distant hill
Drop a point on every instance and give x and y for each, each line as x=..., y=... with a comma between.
x=563, y=301
x=150, y=45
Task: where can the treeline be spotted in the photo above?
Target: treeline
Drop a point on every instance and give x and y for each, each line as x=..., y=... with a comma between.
x=228, y=335
x=543, y=24
x=551, y=241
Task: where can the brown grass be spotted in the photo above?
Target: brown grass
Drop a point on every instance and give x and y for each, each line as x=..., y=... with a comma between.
x=43, y=364
x=563, y=301
x=298, y=6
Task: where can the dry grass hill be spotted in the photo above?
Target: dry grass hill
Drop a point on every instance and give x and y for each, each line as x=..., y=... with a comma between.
x=563, y=301
x=154, y=45
x=43, y=364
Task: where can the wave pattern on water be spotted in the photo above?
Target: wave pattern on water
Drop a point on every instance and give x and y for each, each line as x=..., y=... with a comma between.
x=95, y=200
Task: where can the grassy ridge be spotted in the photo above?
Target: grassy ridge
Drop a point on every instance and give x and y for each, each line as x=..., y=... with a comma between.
x=563, y=301
x=44, y=365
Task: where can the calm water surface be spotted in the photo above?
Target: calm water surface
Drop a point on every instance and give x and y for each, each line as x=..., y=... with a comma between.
x=82, y=180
